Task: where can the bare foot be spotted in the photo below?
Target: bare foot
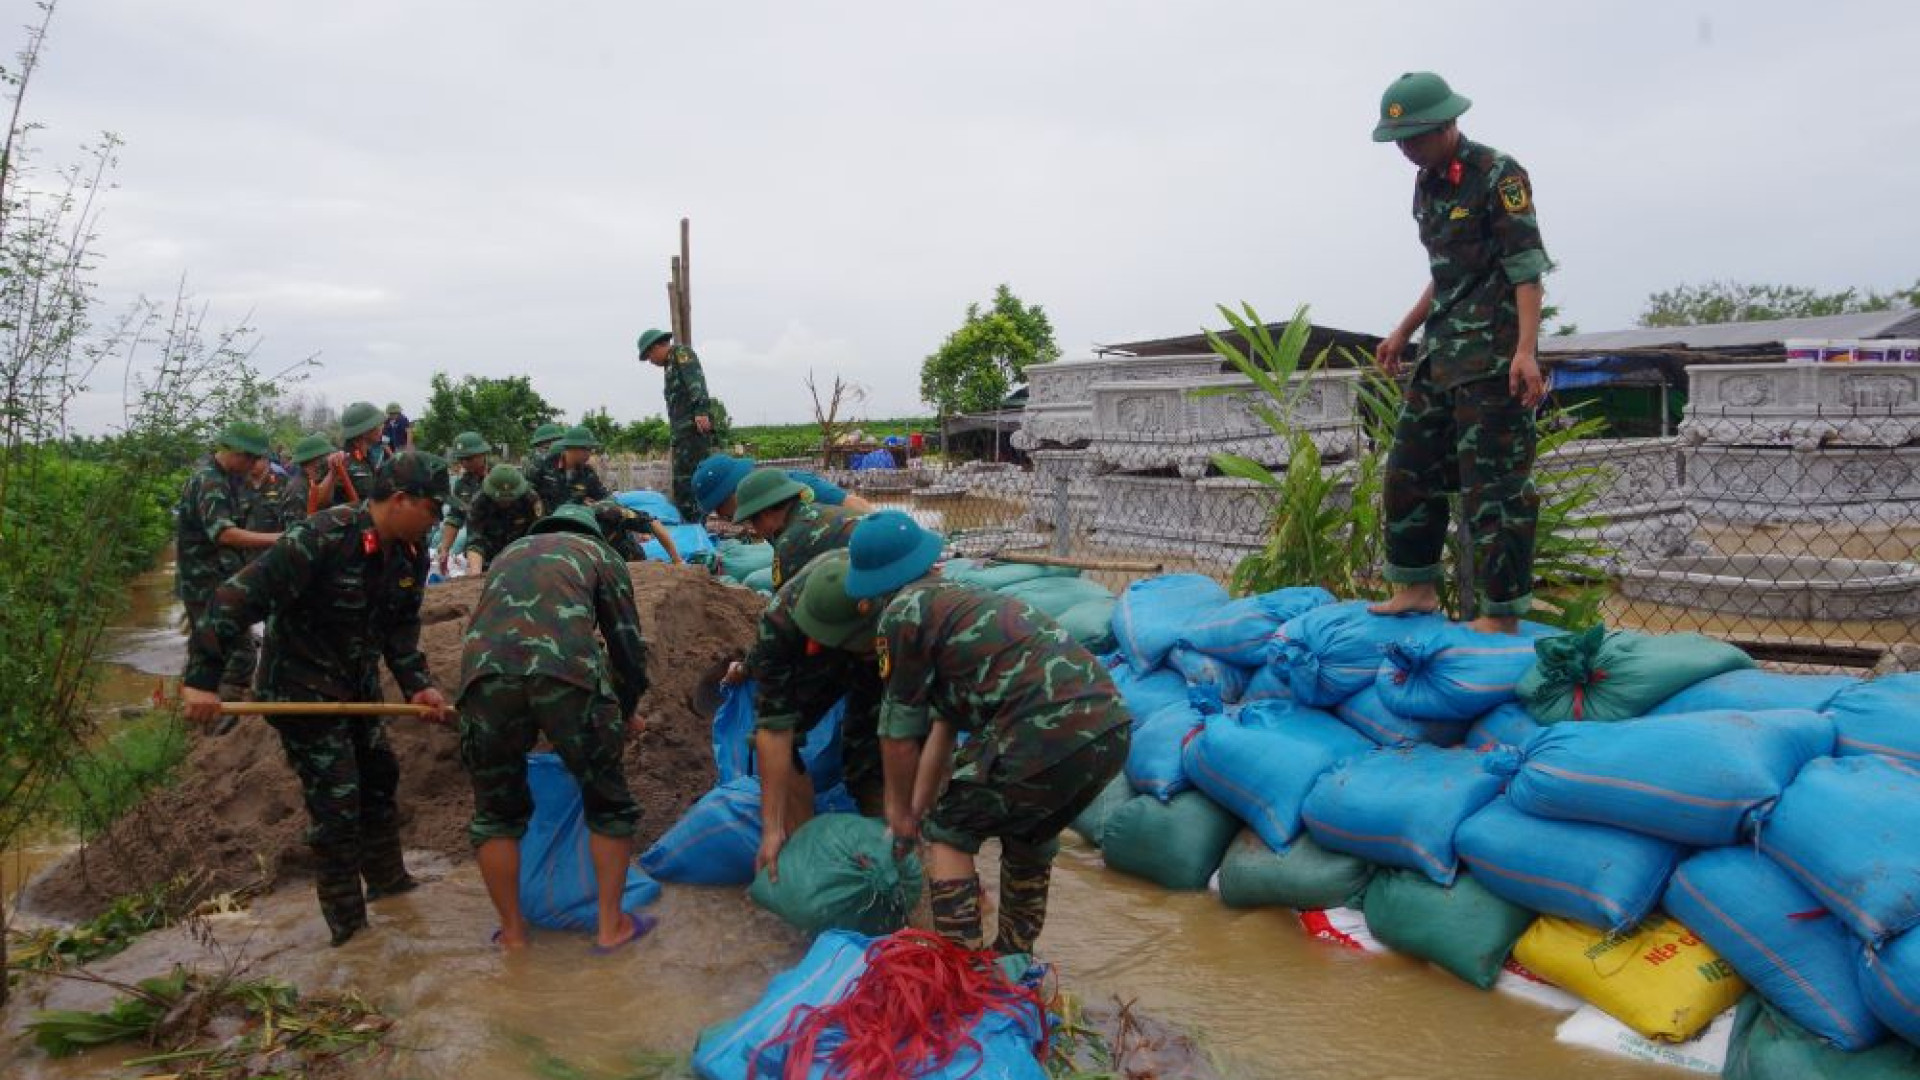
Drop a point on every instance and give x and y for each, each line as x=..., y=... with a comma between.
x=1496, y=624
x=1421, y=598
x=513, y=939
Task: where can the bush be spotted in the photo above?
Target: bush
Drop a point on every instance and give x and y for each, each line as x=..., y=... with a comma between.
x=95, y=789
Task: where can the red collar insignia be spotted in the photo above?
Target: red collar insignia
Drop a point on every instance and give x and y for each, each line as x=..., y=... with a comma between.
x=1454, y=171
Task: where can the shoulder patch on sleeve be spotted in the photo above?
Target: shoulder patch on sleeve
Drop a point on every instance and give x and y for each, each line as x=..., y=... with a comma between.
x=1514, y=196
x=882, y=657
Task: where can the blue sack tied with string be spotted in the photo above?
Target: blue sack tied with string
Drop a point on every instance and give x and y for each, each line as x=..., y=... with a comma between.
x=1510, y=725
x=1332, y=653
x=557, y=886
x=1263, y=770
x=1605, y=877
x=1755, y=688
x=1849, y=830
x=1238, y=632
x=1400, y=807
x=1153, y=757
x=1455, y=672
x=1199, y=669
x=1152, y=614
x=1879, y=717
x=1368, y=714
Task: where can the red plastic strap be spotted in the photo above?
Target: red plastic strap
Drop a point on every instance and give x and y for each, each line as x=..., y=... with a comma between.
x=1808, y=916
x=1580, y=692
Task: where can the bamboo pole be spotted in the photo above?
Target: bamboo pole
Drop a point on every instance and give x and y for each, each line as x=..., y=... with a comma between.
x=321, y=708
x=1081, y=562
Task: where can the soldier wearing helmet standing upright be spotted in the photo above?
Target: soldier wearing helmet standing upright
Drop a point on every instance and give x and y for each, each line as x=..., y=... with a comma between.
x=689, y=413
x=1467, y=421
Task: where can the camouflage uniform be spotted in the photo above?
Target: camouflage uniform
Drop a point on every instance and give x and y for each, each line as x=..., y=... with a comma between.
x=212, y=502
x=293, y=496
x=797, y=680
x=465, y=491
x=626, y=530
x=1049, y=731
x=558, y=485
x=1460, y=428
x=336, y=601
x=811, y=531
x=492, y=524
x=686, y=392
x=360, y=469
x=531, y=665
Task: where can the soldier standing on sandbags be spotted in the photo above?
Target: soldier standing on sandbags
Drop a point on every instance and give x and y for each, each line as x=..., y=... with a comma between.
x=1467, y=420
x=211, y=540
x=298, y=498
x=774, y=506
x=1049, y=729
x=470, y=450
x=532, y=666
x=340, y=592
x=689, y=413
x=350, y=470
x=504, y=512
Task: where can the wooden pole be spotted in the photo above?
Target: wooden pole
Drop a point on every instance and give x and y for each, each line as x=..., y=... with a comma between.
x=677, y=301
x=320, y=708
x=686, y=283
x=1081, y=562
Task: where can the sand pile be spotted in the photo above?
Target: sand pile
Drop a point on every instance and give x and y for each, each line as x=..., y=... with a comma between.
x=236, y=813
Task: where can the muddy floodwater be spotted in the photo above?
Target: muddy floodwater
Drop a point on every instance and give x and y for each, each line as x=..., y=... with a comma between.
x=1269, y=1001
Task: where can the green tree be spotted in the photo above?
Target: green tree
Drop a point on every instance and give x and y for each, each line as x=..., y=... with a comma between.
x=978, y=364
x=1732, y=301
x=504, y=412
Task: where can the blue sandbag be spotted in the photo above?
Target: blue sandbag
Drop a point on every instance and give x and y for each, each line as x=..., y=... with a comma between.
x=1238, y=632
x=1605, y=877
x=1279, y=712
x=1779, y=938
x=1749, y=689
x=1456, y=672
x=1153, y=612
x=733, y=727
x=1890, y=979
x=1400, y=807
x=1849, y=830
x=1332, y=653
x=1509, y=725
x=1695, y=779
x=1153, y=757
x=693, y=542
x=651, y=502
x=1879, y=717
x=1149, y=693
x=1269, y=683
x=1368, y=715
x=715, y=841
x=1262, y=771
x=1199, y=669
x=738, y=559
x=557, y=887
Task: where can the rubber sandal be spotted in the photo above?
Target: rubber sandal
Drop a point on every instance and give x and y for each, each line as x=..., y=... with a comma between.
x=642, y=926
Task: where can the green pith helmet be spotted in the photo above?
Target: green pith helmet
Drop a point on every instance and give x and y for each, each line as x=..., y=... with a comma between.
x=825, y=612
x=572, y=517
x=360, y=418
x=311, y=448
x=651, y=338
x=763, y=489
x=244, y=438
x=546, y=433
x=417, y=473
x=1416, y=103
x=469, y=443
x=504, y=483
x=578, y=437
x=394, y=409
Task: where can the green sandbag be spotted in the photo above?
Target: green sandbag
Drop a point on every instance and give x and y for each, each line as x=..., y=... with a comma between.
x=1176, y=844
x=740, y=560
x=1602, y=674
x=997, y=576
x=838, y=872
x=1463, y=928
x=1768, y=1046
x=759, y=580
x=1090, y=623
x=1092, y=822
x=1054, y=596
x=1305, y=877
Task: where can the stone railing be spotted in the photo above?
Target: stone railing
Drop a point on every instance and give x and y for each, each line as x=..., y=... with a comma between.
x=1164, y=423
x=1060, y=395
x=1803, y=405
x=1763, y=484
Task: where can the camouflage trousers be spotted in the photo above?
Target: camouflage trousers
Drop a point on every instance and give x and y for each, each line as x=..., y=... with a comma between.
x=238, y=674
x=1477, y=439
x=348, y=774
x=502, y=717
x=690, y=448
x=1031, y=811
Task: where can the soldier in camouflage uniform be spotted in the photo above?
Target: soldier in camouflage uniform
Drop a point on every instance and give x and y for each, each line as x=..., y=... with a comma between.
x=1467, y=423
x=1048, y=726
x=340, y=592
x=801, y=666
x=532, y=666
x=775, y=508
x=542, y=442
x=566, y=474
x=504, y=512
x=621, y=525
x=470, y=451
x=212, y=540
x=350, y=471
x=298, y=497
x=689, y=413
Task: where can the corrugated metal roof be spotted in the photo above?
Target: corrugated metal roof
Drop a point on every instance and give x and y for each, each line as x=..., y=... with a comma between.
x=1902, y=322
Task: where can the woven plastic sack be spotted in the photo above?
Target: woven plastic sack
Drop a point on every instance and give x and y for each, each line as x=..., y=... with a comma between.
x=733, y=726
x=1400, y=807
x=1154, y=612
x=837, y=872
x=760, y=581
x=1366, y=713
x=1465, y=929
x=557, y=887
x=1177, y=844
x=1269, y=682
x=693, y=542
x=1879, y=717
x=1509, y=726
x=997, y=576
x=1749, y=689
x=1332, y=653
x=659, y=506
x=1090, y=623
x=1238, y=632
x=1602, y=674
x=1092, y=822
x=1199, y=669
x=1849, y=830
x=1153, y=756
x=1055, y=596
x=1767, y=1045
x=1661, y=980
x=1262, y=770
x=1779, y=938
x=1147, y=693
x=738, y=559
x=1605, y=877
x=1305, y=877
x=1890, y=979
x=715, y=841
x=1455, y=673
x=1696, y=779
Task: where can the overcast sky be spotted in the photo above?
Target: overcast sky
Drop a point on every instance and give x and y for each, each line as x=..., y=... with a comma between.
x=489, y=188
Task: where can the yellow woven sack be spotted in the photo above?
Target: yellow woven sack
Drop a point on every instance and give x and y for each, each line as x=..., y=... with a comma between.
x=1658, y=979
